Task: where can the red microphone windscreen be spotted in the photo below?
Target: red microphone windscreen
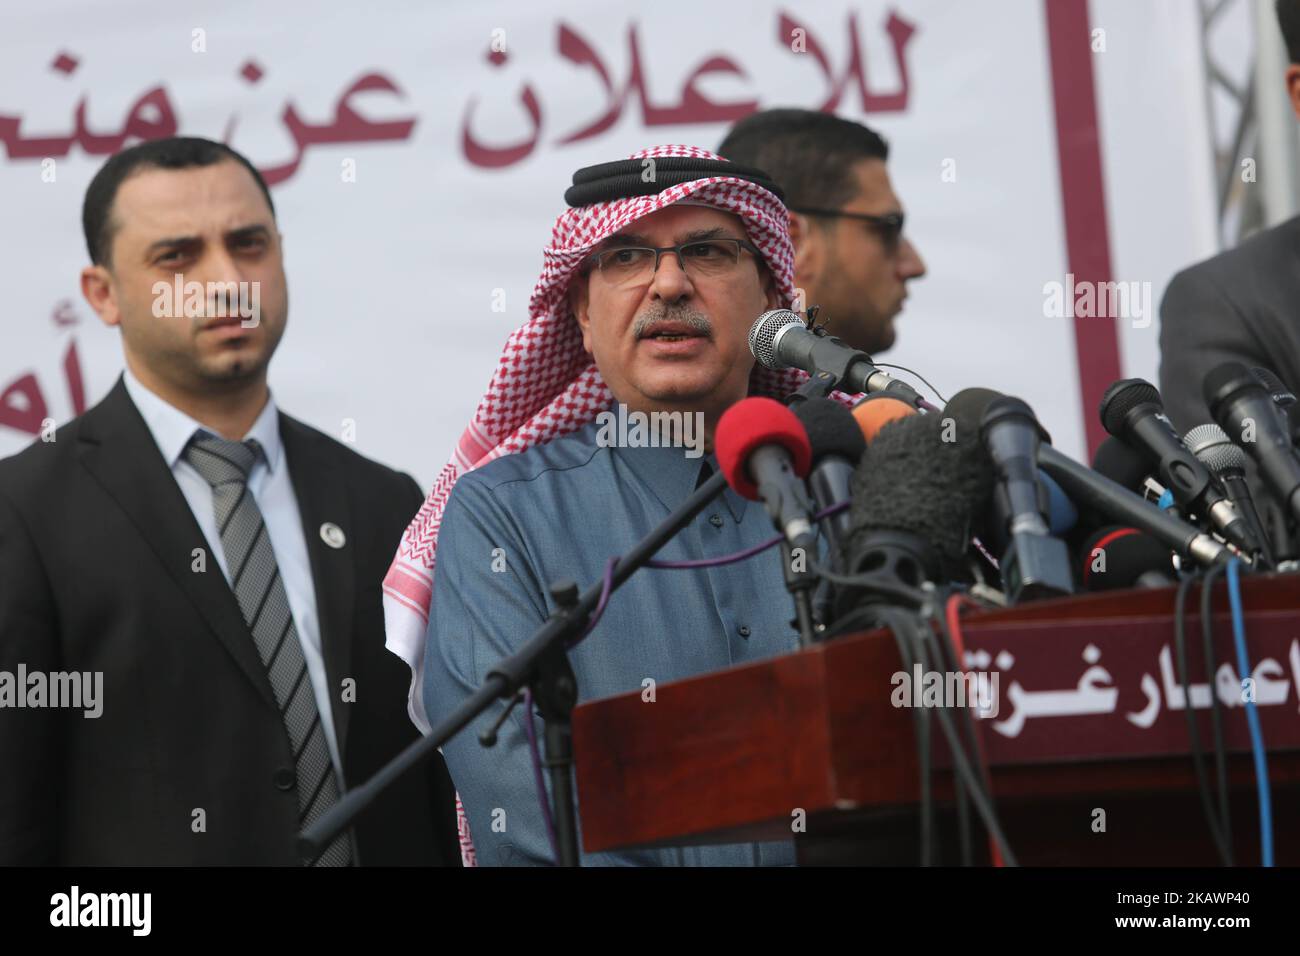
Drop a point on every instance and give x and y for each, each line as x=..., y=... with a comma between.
x=749, y=424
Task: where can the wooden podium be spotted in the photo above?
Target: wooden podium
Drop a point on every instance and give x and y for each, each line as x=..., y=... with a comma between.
x=1088, y=751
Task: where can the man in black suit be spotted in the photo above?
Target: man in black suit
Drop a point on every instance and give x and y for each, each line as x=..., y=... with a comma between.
x=203, y=566
x=1242, y=305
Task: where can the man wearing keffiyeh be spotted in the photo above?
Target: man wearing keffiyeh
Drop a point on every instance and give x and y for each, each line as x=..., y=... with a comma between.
x=533, y=495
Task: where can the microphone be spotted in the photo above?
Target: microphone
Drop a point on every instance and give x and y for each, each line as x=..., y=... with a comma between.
x=915, y=498
x=1132, y=411
x=1243, y=407
x=1062, y=515
x=763, y=450
x=1096, y=494
x=876, y=411
x=1277, y=520
x=837, y=446
x=1034, y=564
x=1212, y=446
x=1283, y=398
x=1100, y=494
x=1121, y=464
x=1116, y=557
x=780, y=339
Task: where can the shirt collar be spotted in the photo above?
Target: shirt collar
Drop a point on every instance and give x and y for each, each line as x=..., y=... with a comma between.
x=172, y=429
x=670, y=474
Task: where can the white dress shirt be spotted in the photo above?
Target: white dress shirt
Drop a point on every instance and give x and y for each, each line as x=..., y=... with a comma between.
x=271, y=488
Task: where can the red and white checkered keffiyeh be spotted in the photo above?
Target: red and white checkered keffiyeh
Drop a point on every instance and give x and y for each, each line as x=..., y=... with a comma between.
x=547, y=385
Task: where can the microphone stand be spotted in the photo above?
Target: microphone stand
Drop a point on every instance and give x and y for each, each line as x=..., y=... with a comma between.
x=800, y=581
x=819, y=385
x=542, y=665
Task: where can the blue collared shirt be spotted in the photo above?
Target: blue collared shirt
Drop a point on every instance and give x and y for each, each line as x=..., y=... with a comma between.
x=558, y=511
x=271, y=487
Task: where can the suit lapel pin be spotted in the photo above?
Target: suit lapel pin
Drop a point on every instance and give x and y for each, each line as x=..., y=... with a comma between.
x=332, y=535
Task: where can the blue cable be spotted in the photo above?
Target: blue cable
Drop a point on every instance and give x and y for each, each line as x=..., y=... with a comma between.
x=1166, y=501
x=1252, y=719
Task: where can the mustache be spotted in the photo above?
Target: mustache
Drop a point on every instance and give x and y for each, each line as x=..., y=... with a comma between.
x=693, y=319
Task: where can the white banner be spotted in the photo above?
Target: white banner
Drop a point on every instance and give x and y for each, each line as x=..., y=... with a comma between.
x=419, y=154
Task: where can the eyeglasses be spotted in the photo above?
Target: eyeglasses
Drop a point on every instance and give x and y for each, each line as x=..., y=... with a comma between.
x=889, y=226
x=700, y=259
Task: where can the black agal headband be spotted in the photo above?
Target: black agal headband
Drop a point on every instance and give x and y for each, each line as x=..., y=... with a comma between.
x=627, y=178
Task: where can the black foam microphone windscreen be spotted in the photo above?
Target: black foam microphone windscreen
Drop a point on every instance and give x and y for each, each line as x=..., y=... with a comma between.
x=832, y=430
x=922, y=477
x=1116, y=557
x=1121, y=464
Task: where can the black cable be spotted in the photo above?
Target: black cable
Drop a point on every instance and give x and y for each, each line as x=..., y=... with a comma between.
x=930, y=851
x=885, y=587
x=921, y=727
x=1193, y=735
x=982, y=798
x=963, y=822
x=947, y=652
x=904, y=368
x=1216, y=720
x=960, y=761
x=873, y=615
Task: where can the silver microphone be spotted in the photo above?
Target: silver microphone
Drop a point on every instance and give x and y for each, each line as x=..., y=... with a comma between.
x=1227, y=462
x=780, y=339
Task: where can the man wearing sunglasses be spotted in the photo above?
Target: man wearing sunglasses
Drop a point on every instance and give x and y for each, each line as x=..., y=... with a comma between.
x=852, y=259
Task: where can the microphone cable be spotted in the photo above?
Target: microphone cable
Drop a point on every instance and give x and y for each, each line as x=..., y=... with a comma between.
x=1212, y=818
x=952, y=630
x=1252, y=719
x=903, y=368
x=1216, y=715
x=899, y=621
x=944, y=650
x=921, y=726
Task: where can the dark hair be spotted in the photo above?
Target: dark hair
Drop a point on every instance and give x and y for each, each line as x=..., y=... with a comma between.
x=177, y=152
x=1288, y=17
x=810, y=154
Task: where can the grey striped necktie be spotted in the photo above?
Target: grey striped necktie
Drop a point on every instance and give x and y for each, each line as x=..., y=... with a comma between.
x=255, y=579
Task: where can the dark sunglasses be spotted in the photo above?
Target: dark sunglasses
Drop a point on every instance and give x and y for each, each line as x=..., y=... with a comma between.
x=889, y=226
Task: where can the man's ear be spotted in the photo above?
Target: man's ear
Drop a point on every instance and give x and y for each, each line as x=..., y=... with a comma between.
x=97, y=289
x=1293, y=86
x=578, y=299
x=809, y=249
x=798, y=227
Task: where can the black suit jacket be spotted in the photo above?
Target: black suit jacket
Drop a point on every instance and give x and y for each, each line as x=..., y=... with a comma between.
x=1241, y=305
x=97, y=573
